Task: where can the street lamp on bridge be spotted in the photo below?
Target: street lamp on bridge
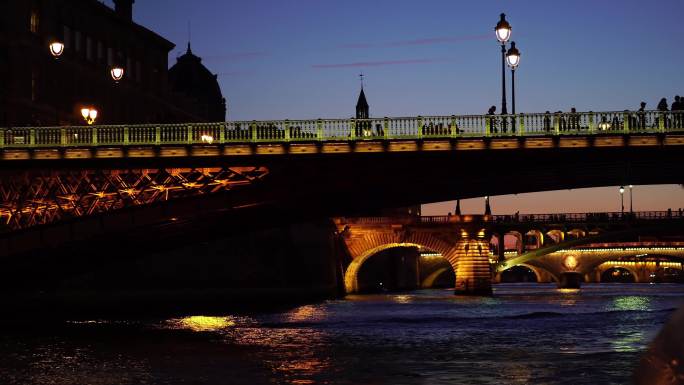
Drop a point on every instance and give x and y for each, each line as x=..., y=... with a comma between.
x=503, y=34
x=513, y=60
x=630, y=199
x=89, y=114
x=622, y=200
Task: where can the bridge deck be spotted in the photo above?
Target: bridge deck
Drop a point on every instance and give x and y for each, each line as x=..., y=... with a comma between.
x=347, y=135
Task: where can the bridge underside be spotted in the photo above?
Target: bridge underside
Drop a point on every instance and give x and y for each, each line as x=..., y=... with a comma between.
x=322, y=185
x=357, y=183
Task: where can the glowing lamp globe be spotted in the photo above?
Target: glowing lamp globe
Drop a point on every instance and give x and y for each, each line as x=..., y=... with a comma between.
x=503, y=30
x=89, y=115
x=56, y=48
x=513, y=56
x=117, y=73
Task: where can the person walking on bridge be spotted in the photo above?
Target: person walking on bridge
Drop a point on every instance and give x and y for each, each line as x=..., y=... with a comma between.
x=662, y=107
x=491, y=119
x=677, y=107
x=642, y=115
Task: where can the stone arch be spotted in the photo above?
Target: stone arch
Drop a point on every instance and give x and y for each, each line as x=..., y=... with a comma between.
x=576, y=233
x=538, y=235
x=494, y=240
x=429, y=281
x=633, y=272
x=541, y=272
x=537, y=271
x=558, y=236
x=519, y=240
x=661, y=271
x=363, y=248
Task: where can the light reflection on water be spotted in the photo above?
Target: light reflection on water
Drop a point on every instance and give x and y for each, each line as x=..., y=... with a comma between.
x=632, y=302
x=525, y=334
x=202, y=323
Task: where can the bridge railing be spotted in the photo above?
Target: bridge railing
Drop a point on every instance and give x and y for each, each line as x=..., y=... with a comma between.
x=589, y=217
x=454, y=126
x=524, y=218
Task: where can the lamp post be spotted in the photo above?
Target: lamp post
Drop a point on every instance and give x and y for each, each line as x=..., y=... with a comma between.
x=503, y=34
x=513, y=60
x=622, y=200
x=631, y=209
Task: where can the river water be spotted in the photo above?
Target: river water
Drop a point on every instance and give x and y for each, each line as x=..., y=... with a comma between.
x=524, y=334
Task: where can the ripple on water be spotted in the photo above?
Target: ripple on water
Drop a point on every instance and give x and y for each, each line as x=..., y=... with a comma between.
x=525, y=334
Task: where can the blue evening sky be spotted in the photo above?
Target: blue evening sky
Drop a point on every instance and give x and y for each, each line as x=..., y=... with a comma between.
x=294, y=59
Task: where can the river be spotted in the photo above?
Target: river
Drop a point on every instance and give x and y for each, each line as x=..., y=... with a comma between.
x=524, y=334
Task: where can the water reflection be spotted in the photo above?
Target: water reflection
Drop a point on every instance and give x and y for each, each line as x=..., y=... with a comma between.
x=202, y=323
x=631, y=303
x=628, y=341
x=306, y=313
x=530, y=334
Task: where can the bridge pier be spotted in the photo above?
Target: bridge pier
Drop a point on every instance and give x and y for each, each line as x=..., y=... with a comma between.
x=570, y=280
x=473, y=273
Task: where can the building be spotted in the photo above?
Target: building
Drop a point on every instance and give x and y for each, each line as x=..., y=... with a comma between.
x=38, y=90
x=362, y=109
x=190, y=78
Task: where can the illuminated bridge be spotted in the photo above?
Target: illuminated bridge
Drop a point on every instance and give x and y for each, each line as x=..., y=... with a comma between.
x=562, y=248
x=68, y=185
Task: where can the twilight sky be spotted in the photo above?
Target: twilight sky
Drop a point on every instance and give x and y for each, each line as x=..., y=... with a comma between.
x=294, y=59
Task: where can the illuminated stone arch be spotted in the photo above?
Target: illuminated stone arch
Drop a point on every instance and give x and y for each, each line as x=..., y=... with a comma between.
x=519, y=245
x=557, y=235
x=577, y=233
x=538, y=235
x=538, y=271
x=631, y=270
x=362, y=249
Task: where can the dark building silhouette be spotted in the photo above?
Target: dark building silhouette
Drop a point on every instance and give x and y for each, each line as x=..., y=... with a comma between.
x=193, y=80
x=36, y=89
x=362, y=110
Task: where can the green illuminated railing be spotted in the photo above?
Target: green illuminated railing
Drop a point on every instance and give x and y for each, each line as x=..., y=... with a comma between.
x=277, y=131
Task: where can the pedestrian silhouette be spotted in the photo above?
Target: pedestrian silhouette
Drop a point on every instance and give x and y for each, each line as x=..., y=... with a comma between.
x=492, y=119
x=642, y=115
x=561, y=121
x=573, y=119
x=662, y=107
x=547, y=121
x=677, y=107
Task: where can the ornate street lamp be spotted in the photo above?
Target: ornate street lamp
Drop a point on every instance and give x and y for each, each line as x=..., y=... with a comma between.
x=622, y=200
x=630, y=199
x=503, y=34
x=513, y=60
x=56, y=48
x=117, y=73
x=89, y=114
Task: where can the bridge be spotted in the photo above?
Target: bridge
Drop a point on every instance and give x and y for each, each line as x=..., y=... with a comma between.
x=336, y=166
x=564, y=248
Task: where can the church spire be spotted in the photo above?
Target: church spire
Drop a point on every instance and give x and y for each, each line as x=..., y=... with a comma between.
x=362, y=109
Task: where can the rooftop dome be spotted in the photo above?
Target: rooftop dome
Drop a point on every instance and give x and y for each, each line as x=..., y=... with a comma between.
x=192, y=79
